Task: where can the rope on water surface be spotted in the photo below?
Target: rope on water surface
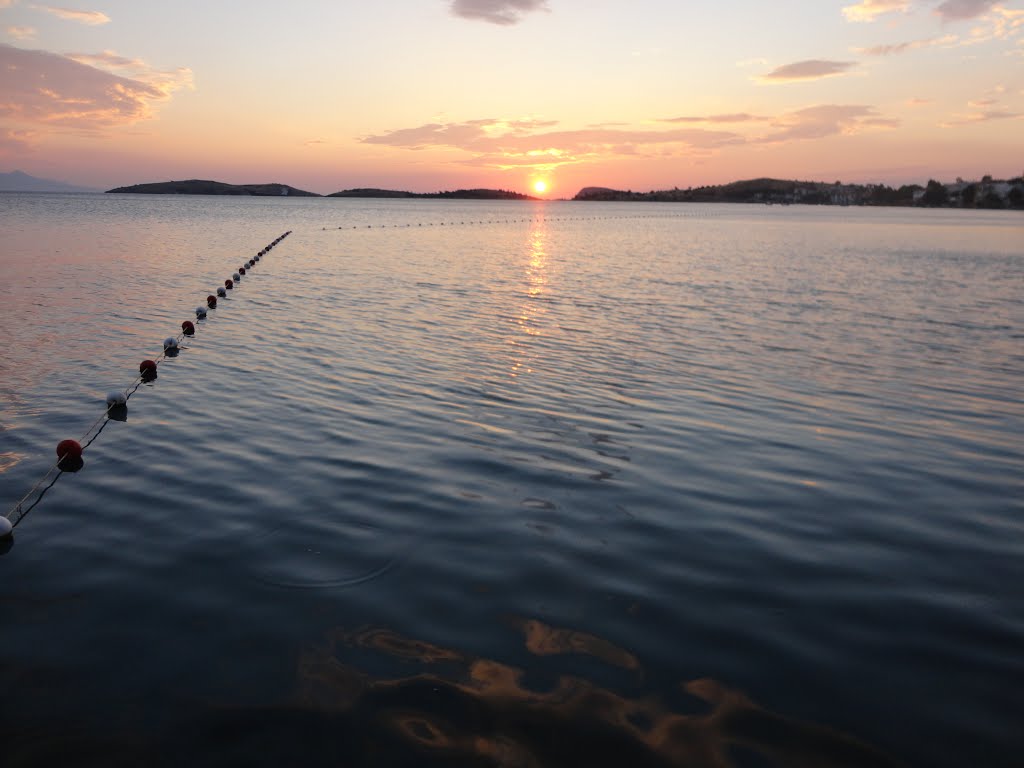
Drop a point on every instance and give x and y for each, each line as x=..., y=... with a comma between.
x=69, y=452
x=533, y=220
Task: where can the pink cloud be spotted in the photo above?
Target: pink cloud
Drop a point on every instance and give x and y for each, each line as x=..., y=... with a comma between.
x=45, y=88
x=502, y=12
x=91, y=18
x=21, y=33
x=825, y=120
x=14, y=143
x=957, y=10
x=812, y=69
x=984, y=116
x=893, y=49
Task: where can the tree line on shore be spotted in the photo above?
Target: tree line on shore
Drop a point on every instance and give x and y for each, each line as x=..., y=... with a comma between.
x=987, y=193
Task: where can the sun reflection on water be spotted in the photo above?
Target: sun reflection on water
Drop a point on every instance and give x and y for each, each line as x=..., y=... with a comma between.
x=531, y=311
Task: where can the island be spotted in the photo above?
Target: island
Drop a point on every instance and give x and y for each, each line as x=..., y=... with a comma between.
x=205, y=187
x=458, y=194
x=985, y=193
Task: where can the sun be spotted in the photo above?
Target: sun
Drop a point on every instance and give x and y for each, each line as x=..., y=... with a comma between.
x=540, y=186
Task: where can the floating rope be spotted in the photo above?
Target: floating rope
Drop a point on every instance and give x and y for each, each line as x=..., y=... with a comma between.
x=535, y=220
x=69, y=452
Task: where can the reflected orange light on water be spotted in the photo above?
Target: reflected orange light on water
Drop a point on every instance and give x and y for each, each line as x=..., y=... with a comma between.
x=531, y=311
x=455, y=708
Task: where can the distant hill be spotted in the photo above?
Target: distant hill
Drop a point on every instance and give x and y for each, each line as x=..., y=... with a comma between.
x=371, y=193
x=458, y=194
x=600, y=193
x=202, y=187
x=770, y=191
x=17, y=181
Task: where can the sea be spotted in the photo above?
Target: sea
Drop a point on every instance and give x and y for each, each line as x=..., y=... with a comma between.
x=511, y=483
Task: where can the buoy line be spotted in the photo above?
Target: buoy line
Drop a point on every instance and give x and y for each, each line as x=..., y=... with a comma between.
x=69, y=452
x=530, y=220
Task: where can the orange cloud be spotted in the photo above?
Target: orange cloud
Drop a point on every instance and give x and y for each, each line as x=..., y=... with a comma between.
x=812, y=69
x=737, y=117
x=167, y=81
x=502, y=12
x=869, y=10
x=509, y=145
x=91, y=18
x=515, y=144
x=47, y=89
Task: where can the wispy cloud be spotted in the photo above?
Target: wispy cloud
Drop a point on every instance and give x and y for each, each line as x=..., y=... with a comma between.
x=957, y=10
x=869, y=10
x=506, y=144
x=736, y=117
x=918, y=102
x=893, y=49
x=1004, y=24
x=7, y=3
x=14, y=142
x=984, y=116
x=21, y=33
x=502, y=12
x=165, y=80
x=46, y=89
x=91, y=18
x=825, y=120
x=812, y=69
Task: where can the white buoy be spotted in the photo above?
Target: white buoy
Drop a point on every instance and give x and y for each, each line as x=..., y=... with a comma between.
x=236, y=277
x=170, y=343
x=200, y=311
x=222, y=292
x=6, y=529
x=116, y=397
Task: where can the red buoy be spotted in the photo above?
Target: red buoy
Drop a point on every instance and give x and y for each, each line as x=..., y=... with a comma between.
x=69, y=449
x=229, y=284
x=188, y=328
x=147, y=367
x=241, y=270
x=211, y=301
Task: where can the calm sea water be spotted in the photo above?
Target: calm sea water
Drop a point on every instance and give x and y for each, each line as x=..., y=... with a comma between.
x=550, y=484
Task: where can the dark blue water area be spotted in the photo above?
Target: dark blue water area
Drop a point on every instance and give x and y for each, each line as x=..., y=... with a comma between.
x=549, y=485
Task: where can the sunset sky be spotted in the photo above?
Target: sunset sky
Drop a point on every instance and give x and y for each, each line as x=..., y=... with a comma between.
x=436, y=94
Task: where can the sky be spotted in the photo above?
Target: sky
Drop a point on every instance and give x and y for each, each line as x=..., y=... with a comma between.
x=426, y=95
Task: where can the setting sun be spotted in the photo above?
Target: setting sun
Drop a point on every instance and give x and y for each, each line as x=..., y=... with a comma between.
x=540, y=186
